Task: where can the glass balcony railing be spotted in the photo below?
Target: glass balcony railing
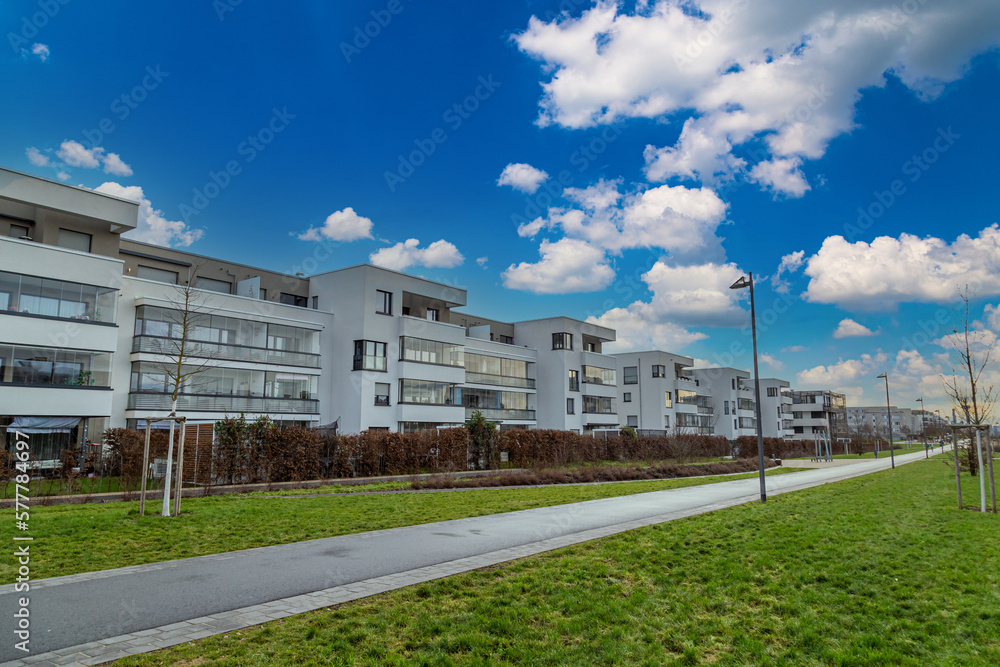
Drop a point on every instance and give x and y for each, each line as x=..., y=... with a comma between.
x=197, y=349
x=501, y=413
x=500, y=380
x=232, y=404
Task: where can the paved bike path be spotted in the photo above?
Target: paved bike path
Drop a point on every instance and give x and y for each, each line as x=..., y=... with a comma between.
x=98, y=616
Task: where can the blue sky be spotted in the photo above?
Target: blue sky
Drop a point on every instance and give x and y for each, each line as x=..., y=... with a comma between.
x=682, y=144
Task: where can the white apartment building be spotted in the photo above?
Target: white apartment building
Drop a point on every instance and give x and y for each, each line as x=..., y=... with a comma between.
x=733, y=401
x=658, y=393
x=816, y=412
x=775, y=408
x=873, y=421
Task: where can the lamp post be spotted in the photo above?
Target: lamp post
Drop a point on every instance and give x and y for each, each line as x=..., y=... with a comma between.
x=923, y=429
x=744, y=281
x=888, y=409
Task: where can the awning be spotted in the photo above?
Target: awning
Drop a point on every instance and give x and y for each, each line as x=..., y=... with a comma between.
x=44, y=424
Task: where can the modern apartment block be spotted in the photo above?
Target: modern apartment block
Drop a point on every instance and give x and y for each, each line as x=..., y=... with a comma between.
x=873, y=421
x=657, y=392
x=775, y=408
x=735, y=409
x=818, y=411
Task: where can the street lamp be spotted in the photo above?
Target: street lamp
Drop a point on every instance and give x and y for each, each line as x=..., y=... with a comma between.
x=923, y=429
x=888, y=409
x=744, y=281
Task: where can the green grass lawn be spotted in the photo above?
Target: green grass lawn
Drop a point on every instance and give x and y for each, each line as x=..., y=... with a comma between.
x=877, y=570
x=83, y=538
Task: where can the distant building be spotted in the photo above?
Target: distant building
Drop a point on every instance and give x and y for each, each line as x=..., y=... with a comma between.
x=817, y=411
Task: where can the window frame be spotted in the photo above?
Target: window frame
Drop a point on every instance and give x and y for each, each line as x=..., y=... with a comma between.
x=383, y=302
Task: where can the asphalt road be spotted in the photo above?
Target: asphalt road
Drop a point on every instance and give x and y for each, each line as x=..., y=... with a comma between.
x=67, y=611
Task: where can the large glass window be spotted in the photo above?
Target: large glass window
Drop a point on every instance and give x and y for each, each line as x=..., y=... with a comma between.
x=574, y=380
x=562, y=341
x=293, y=300
x=659, y=371
x=369, y=355
x=429, y=393
x=599, y=405
x=747, y=404
x=596, y=375
x=30, y=295
x=431, y=351
x=51, y=366
x=492, y=399
x=149, y=377
x=383, y=302
x=668, y=400
x=381, y=393
x=631, y=375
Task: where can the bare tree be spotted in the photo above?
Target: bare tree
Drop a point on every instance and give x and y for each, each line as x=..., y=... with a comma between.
x=185, y=358
x=969, y=387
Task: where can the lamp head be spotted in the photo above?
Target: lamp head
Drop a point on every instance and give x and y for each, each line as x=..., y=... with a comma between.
x=882, y=377
x=741, y=283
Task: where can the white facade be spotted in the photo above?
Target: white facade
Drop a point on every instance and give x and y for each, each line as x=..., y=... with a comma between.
x=732, y=399
x=873, y=421
x=818, y=413
x=775, y=408
x=658, y=392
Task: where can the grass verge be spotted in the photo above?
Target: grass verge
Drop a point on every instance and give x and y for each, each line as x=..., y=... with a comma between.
x=85, y=538
x=878, y=570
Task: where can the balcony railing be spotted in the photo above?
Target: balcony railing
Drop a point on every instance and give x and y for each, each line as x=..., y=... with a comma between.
x=499, y=380
x=217, y=403
x=501, y=413
x=157, y=345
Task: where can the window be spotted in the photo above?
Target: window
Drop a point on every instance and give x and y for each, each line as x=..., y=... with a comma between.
x=433, y=314
x=591, y=347
x=406, y=310
x=627, y=398
x=381, y=393
x=509, y=340
x=666, y=421
x=668, y=400
x=570, y=409
x=562, y=341
x=574, y=380
x=772, y=392
x=734, y=424
x=428, y=392
x=431, y=351
x=369, y=355
x=17, y=231
x=73, y=240
x=734, y=383
x=597, y=375
x=659, y=371
x=213, y=285
x=159, y=275
x=383, y=302
x=315, y=303
x=632, y=420
x=630, y=375
x=263, y=294
x=50, y=366
x=294, y=300
x=725, y=407
x=600, y=405
x=29, y=295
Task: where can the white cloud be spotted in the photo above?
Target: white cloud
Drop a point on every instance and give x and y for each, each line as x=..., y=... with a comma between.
x=790, y=263
x=152, y=227
x=889, y=271
x=843, y=372
x=481, y=261
x=345, y=225
x=992, y=315
x=522, y=177
x=76, y=154
x=37, y=49
x=438, y=255
x=849, y=328
x=680, y=220
x=37, y=158
x=63, y=176
x=783, y=72
x=567, y=265
x=795, y=348
x=635, y=333
x=776, y=364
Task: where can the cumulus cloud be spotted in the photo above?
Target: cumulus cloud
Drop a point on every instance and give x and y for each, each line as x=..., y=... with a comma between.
x=992, y=316
x=680, y=220
x=152, y=227
x=776, y=364
x=784, y=73
x=41, y=51
x=63, y=176
x=481, y=261
x=849, y=328
x=635, y=333
x=37, y=158
x=522, y=177
x=568, y=265
x=789, y=263
x=438, y=255
x=844, y=372
x=888, y=271
x=75, y=154
x=795, y=348
x=345, y=225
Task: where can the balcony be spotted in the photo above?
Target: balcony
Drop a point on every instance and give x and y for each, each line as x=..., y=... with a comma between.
x=221, y=403
x=157, y=345
x=499, y=380
x=501, y=413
